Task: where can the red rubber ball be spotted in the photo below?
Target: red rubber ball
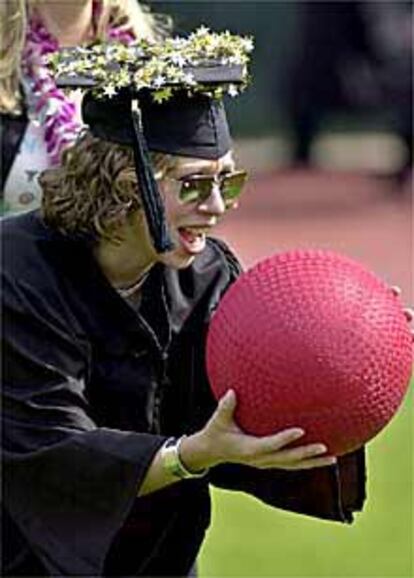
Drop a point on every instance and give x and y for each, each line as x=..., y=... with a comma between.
x=312, y=339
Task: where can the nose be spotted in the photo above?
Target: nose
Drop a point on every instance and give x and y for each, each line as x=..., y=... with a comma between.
x=214, y=204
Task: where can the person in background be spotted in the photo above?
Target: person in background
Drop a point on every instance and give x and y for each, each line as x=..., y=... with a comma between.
x=38, y=121
x=389, y=26
x=111, y=433
x=332, y=37
x=353, y=57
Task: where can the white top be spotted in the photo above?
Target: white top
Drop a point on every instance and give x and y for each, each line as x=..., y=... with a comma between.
x=22, y=191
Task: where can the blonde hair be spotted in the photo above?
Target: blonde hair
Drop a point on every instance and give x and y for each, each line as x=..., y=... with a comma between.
x=94, y=189
x=13, y=25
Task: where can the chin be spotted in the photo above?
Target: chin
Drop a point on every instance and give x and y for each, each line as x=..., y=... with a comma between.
x=177, y=259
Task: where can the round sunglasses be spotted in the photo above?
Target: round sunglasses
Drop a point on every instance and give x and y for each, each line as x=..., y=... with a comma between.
x=198, y=188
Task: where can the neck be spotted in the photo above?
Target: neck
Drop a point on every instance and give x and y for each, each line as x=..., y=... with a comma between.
x=122, y=269
x=125, y=262
x=70, y=22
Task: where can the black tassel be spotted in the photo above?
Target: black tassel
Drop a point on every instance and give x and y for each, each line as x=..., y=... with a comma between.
x=150, y=195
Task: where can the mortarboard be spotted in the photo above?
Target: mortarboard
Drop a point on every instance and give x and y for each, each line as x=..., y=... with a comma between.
x=162, y=97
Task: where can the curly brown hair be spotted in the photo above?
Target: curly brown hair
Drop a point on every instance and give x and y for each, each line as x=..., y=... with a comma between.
x=94, y=189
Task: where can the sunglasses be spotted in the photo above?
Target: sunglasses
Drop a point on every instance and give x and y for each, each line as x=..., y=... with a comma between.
x=198, y=188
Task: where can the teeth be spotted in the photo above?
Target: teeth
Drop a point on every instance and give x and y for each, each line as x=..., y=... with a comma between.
x=193, y=233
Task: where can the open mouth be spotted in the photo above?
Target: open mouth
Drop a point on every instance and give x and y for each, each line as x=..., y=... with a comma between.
x=192, y=239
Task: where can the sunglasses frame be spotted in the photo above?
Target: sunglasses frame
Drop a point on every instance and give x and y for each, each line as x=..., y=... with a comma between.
x=197, y=181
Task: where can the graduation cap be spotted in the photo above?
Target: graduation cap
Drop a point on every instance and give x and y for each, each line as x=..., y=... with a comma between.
x=162, y=97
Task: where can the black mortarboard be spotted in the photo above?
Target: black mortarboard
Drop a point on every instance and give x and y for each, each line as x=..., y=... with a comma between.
x=165, y=98
x=185, y=125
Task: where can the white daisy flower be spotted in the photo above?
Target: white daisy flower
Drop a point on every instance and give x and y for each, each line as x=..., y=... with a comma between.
x=248, y=44
x=159, y=81
x=232, y=90
x=110, y=91
x=178, y=60
x=189, y=78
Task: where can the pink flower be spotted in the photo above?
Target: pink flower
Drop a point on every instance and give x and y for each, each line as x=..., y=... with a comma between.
x=46, y=102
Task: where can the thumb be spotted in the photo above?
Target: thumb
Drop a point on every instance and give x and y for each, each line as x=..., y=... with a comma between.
x=227, y=405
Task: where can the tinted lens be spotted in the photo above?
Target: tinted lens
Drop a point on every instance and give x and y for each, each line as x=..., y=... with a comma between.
x=196, y=189
x=232, y=186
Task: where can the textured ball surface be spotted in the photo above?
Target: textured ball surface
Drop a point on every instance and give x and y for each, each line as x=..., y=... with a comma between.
x=311, y=339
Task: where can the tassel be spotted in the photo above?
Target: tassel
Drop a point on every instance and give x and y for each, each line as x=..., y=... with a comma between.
x=150, y=195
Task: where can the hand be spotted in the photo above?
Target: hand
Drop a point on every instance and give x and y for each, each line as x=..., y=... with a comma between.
x=222, y=441
x=408, y=312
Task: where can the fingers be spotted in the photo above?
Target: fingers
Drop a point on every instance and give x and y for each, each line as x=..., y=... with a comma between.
x=230, y=444
x=301, y=457
x=312, y=463
x=409, y=314
x=226, y=406
x=408, y=311
x=396, y=290
x=257, y=450
x=302, y=452
x=271, y=452
x=274, y=443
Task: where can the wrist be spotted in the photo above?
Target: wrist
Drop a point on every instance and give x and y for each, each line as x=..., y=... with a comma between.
x=173, y=463
x=195, y=452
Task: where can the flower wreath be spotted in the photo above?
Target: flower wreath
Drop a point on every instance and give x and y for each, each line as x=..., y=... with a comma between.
x=161, y=67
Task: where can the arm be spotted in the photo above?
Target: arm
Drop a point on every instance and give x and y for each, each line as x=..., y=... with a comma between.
x=222, y=441
x=68, y=484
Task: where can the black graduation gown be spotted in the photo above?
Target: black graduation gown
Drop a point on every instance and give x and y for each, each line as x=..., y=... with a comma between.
x=92, y=389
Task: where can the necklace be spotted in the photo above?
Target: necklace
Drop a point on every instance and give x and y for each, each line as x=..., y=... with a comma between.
x=126, y=292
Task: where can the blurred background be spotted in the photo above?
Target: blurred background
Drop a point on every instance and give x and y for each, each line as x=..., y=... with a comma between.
x=326, y=133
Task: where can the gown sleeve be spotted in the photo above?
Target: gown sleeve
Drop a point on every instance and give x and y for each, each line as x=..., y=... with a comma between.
x=330, y=493
x=68, y=485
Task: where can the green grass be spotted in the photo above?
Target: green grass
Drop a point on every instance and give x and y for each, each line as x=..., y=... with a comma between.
x=249, y=539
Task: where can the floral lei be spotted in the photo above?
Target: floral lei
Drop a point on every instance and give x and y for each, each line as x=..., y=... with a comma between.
x=48, y=105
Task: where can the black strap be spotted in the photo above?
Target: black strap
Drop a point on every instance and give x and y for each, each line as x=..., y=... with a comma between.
x=150, y=195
